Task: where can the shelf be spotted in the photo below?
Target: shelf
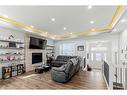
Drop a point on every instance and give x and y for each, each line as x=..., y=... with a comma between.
x=12, y=41
x=17, y=52
x=10, y=48
x=11, y=60
x=50, y=52
x=49, y=49
x=11, y=54
x=49, y=46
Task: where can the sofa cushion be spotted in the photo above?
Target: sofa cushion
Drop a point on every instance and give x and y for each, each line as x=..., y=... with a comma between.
x=68, y=67
x=74, y=61
x=66, y=58
x=59, y=58
x=62, y=68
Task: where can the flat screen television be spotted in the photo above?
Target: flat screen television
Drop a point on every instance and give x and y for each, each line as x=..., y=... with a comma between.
x=36, y=43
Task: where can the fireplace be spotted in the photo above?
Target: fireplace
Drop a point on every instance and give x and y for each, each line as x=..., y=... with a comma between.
x=36, y=58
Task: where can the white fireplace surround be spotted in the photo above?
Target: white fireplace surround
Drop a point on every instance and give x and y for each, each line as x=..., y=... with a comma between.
x=28, y=53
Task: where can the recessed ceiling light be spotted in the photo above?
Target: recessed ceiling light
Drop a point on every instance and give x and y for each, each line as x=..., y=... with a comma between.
x=123, y=20
x=6, y=16
x=28, y=30
x=32, y=26
x=54, y=35
x=65, y=28
x=114, y=30
x=92, y=22
x=92, y=29
x=90, y=7
x=93, y=33
x=53, y=19
x=45, y=33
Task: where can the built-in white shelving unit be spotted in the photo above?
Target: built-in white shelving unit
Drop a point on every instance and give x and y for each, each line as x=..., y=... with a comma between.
x=11, y=54
x=50, y=50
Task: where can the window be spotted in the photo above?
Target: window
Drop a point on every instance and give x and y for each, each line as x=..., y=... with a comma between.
x=67, y=49
x=98, y=56
x=98, y=48
x=92, y=56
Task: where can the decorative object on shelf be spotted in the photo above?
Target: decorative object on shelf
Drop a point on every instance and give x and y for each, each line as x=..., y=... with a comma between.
x=14, y=70
x=80, y=48
x=20, y=69
x=6, y=72
x=8, y=56
x=12, y=44
x=11, y=55
x=11, y=37
x=50, y=52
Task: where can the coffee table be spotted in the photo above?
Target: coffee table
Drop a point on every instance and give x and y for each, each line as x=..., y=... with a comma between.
x=40, y=69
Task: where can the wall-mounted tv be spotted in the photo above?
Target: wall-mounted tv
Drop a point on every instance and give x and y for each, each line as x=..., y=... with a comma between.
x=36, y=43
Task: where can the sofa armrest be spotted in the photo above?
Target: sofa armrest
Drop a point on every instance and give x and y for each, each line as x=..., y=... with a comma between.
x=60, y=69
x=58, y=76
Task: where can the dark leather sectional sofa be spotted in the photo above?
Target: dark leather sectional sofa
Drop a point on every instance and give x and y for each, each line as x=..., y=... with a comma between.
x=61, y=60
x=65, y=72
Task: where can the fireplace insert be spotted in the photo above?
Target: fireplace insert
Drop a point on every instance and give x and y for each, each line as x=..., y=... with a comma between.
x=36, y=58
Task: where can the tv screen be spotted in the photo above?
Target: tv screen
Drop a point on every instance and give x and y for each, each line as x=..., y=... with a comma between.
x=36, y=58
x=36, y=43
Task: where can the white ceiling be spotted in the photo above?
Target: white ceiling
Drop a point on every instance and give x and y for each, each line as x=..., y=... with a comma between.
x=75, y=18
x=121, y=26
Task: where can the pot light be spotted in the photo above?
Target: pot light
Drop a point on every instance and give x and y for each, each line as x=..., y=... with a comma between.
x=93, y=33
x=55, y=36
x=65, y=28
x=53, y=19
x=114, y=30
x=4, y=22
x=28, y=30
x=92, y=22
x=6, y=16
x=89, y=7
x=92, y=29
x=32, y=26
x=45, y=33
x=123, y=20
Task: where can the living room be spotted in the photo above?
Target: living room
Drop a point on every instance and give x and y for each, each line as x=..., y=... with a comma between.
x=45, y=48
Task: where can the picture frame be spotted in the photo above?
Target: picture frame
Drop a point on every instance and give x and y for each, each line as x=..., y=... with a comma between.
x=80, y=48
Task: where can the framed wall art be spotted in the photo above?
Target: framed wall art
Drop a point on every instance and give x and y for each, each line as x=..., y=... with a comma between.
x=80, y=48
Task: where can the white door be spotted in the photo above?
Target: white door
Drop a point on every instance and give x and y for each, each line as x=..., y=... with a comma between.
x=97, y=53
x=96, y=59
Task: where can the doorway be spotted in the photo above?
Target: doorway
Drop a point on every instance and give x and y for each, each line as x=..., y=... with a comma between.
x=97, y=53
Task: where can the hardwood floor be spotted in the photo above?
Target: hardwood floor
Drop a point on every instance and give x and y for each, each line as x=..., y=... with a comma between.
x=30, y=80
